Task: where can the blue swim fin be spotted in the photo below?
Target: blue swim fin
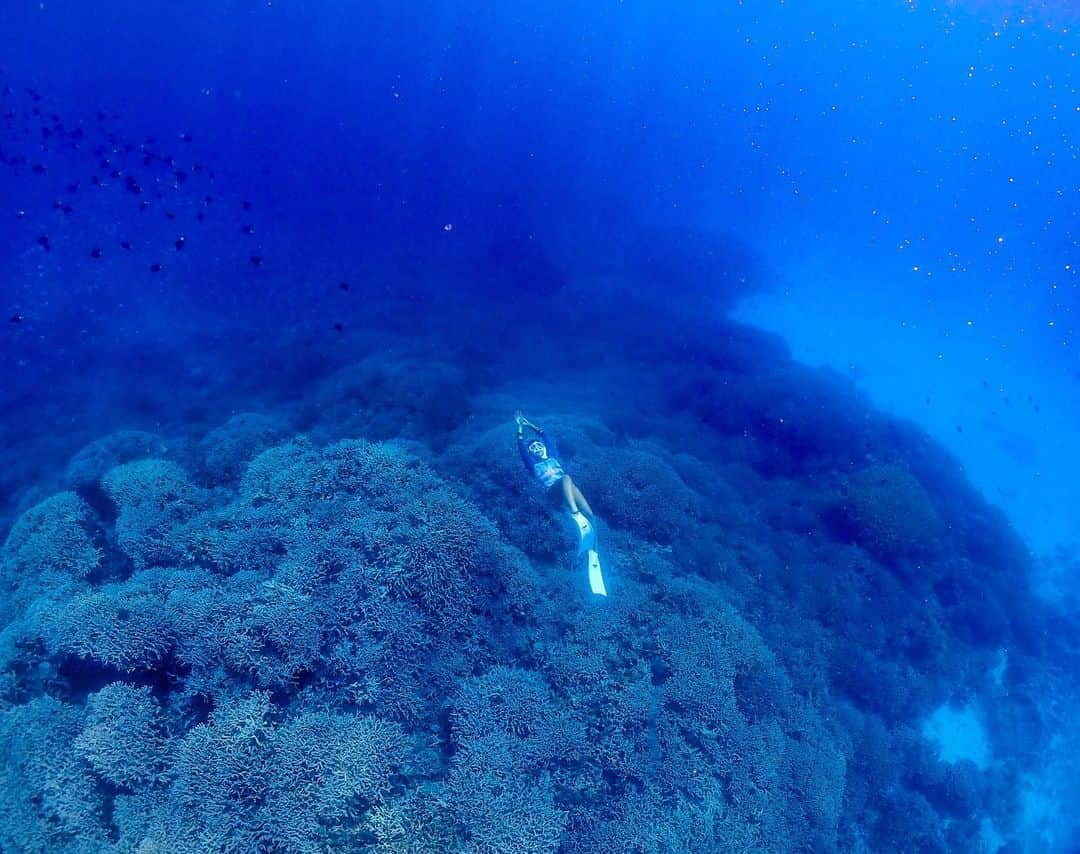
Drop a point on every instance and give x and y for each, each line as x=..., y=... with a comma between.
x=585, y=531
x=596, y=575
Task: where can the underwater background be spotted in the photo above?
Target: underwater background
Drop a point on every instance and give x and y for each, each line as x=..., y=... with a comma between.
x=794, y=285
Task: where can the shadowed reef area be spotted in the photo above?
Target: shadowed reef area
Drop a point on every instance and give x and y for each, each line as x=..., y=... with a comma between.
x=298, y=594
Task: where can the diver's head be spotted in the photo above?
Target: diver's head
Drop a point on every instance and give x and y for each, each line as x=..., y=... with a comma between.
x=538, y=449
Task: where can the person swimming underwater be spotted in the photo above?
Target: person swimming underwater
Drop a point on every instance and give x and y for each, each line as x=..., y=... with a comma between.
x=541, y=457
x=540, y=454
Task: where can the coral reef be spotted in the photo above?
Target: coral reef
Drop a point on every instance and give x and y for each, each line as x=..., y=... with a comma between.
x=260, y=640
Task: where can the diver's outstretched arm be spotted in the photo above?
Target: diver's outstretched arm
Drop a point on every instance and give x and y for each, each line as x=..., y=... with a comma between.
x=523, y=422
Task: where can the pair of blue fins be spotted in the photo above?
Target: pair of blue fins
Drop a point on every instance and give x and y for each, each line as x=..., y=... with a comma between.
x=587, y=546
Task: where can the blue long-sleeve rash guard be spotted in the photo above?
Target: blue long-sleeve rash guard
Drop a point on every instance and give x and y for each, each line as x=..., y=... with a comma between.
x=543, y=465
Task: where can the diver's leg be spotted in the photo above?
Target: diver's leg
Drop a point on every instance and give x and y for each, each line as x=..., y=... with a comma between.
x=575, y=502
x=568, y=490
x=581, y=501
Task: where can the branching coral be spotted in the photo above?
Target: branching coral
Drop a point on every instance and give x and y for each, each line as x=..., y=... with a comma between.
x=124, y=739
x=638, y=490
x=91, y=462
x=114, y=627
x=338, y=648
x=242, y=781
x=53, y=536
x=229, y=448
x=154, y=500
x=48, y=796
x=888, y=512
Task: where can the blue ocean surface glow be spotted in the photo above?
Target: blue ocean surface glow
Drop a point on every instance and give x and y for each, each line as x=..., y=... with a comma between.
x=780, y=552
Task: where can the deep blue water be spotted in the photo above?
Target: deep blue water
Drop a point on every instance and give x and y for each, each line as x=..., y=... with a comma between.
x=793, y=285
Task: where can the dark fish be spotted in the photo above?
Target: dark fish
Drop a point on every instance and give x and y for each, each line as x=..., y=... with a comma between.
x=34, y=94
x=200, y=216
x=156, y=268
x=207, y=199
x=66, y=208
x=128, y=148
x=132, y=186
x=104, y=163
x=116, y=173
x=73, y=188
x=77, y=133
x=44, y=242
x=125, y=244
x=101, y=116
x=96, y=181
x=170, y=214
x=147, y=159
x=256, y=260
x=38, y=169
x=343, y=285
x=57, y=205
x=338, y=327
x=247, y=229
x=95, y=252
x=179, y=242
x=143, y=205
x=16, y=318
x=180, y=175
x=247, y=205
x=186, y=137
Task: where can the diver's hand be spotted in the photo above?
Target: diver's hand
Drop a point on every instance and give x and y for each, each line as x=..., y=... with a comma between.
x=523, y=422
